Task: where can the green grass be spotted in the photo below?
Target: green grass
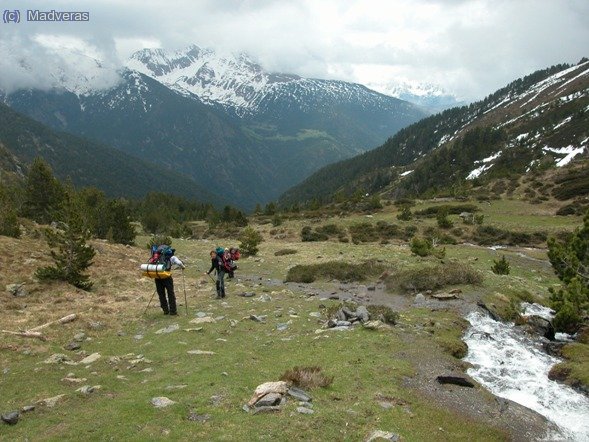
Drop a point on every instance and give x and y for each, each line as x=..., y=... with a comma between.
x=577, y=361
x=365, y=364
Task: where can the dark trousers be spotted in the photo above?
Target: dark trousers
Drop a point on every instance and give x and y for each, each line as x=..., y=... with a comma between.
x=162, y=285
x=220, y=283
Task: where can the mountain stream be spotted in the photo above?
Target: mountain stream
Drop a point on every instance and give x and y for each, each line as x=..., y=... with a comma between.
x=512, y=365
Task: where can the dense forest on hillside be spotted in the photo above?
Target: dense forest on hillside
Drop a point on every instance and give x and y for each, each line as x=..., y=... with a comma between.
x=42, y=198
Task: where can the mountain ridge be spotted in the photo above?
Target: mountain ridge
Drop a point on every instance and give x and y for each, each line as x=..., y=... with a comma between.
x=540, y=116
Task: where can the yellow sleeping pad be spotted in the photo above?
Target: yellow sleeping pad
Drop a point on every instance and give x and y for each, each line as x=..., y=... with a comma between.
x=157, y=275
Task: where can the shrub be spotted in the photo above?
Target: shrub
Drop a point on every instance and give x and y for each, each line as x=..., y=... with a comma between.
x=405, y=214
x=489, y=235
x=443, y=221
x=421, y=246
x=424, y=247
x=157, y=240
x=341, y=271
x=283, y=252
x=330, y=230
x=501, y=267
x=307, y=377
x=383, y=313
x=388, y=231
x=308, y=235
x=363, y=232
x=430, y=277
x=449, y=209
x=250, y=240
x=455, y=347
x=410, y=231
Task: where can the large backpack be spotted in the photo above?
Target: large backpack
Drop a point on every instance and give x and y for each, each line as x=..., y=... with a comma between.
x=221, y=259
x=162, y=254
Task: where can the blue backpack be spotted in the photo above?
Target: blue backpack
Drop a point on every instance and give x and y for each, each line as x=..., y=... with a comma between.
x=162, y=254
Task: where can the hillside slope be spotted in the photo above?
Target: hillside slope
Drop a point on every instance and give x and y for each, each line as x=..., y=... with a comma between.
x=87, y=163
x=539, y=121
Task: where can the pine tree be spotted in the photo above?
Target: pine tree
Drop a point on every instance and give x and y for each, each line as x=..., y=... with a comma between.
x=118, y=219
x=250, y=239
x=9, y=225
x=570, y=261
x=43, y=193
x=501, y=267
x=70, y=253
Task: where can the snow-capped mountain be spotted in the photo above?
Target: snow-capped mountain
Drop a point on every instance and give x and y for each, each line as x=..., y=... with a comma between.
x=427, y=95
x=244, y=88
x=221, y=120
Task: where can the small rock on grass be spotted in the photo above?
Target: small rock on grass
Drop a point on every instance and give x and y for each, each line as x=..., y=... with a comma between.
x=87, y=389
x=299, y=394
x=73, y=346
x=52, y=401
x=383, y=435
x=305, y=410
x=161, y=402
x=200, y=352
x=168, y=329
x=195, y=417
x=11, y=418
x=90, y=359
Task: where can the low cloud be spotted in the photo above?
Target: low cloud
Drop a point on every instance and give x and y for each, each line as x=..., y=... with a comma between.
x=471, y=48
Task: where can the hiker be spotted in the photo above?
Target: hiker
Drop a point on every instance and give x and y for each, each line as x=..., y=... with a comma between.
x=234, y=255
x=219, y=264
x=163, y=285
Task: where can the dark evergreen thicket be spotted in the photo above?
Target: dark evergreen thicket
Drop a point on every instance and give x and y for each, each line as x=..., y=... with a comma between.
x=570, y=260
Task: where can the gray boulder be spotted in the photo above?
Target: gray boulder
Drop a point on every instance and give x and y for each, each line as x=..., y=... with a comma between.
x=11, y=418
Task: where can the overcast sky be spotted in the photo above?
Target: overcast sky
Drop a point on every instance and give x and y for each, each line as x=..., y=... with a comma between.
x=469, y=47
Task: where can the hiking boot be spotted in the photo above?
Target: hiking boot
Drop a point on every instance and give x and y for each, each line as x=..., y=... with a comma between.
x=166, y=312
x=174, y=313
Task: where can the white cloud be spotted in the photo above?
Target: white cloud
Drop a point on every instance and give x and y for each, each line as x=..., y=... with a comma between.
x=471, y=47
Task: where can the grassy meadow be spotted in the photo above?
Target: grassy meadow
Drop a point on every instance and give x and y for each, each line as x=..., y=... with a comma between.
x=371, y=369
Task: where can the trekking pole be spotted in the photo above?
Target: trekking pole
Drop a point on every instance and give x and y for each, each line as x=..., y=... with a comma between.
x=184, y=286
x=151, y=299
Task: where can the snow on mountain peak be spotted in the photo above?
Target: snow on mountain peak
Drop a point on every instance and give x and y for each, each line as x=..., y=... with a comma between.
x=427, y=95
x=234, y=81
x=238, y=83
